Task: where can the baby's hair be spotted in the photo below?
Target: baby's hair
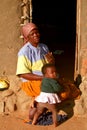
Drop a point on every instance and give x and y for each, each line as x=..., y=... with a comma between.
x=48, y=65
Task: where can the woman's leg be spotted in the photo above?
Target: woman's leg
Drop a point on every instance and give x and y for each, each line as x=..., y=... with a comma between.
x=32, y=109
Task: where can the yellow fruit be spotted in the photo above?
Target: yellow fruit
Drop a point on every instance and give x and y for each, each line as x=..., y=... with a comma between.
x=3, y=84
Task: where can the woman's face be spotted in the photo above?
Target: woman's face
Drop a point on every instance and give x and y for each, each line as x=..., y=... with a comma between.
x=34, y=37
x=51, y=72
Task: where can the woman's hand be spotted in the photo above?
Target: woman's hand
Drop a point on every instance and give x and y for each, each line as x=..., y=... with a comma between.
x=50, y=58
x=32, y=103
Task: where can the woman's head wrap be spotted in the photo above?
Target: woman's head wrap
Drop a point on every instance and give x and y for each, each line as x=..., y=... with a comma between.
x=26, y=29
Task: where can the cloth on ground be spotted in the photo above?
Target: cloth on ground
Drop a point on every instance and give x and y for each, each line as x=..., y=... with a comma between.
x=46, y=119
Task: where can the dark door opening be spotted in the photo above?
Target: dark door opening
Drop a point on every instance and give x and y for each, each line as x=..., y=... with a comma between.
x=57, y=23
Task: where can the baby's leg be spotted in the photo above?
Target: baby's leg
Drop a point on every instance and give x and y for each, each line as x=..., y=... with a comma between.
x=40, y=110
x=52, y=108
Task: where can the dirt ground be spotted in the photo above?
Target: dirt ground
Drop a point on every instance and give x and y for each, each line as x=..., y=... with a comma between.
x=15, y=122
x=9, y=39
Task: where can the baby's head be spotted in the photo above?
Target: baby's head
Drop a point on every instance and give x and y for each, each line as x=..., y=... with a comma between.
x=49, y=71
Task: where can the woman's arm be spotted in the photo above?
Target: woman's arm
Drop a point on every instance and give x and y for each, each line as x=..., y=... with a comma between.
x=50, y=58
x=30, y=76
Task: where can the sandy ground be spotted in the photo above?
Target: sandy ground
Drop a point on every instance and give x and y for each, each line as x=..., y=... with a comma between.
x=15, y=122
x=9, y=38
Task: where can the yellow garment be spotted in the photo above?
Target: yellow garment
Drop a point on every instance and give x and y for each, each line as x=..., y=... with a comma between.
x=32, y=88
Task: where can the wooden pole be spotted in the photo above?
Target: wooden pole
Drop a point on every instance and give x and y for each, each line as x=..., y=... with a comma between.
x=78, y=39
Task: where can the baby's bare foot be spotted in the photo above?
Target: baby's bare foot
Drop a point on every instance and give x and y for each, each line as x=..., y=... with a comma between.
x=56, y=124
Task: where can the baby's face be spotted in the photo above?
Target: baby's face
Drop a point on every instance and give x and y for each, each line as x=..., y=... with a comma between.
x=51, y=73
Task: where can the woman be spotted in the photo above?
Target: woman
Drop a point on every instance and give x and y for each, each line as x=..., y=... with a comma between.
x=31, y=57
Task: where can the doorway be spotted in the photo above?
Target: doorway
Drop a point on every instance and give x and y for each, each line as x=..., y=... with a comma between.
x=57, y=24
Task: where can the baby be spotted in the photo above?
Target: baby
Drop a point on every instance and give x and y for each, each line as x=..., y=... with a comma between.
x=48, y=97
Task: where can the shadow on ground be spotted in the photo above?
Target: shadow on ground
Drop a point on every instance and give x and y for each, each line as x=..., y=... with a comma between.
x=67, y=107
